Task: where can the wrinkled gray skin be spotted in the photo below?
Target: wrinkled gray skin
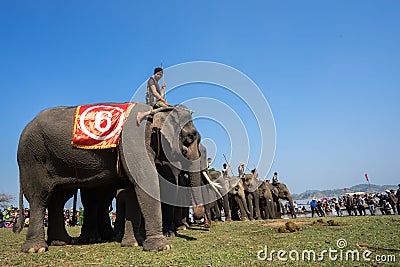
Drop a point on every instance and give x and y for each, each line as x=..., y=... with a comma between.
x=51, y=170
x=280, y=191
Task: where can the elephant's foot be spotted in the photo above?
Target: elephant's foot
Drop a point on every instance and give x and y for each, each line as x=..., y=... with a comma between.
x=170, y=233
x=228, y=219
x=61, y=241
x=156, y=243
x=88, y=239
x=33, y=246
x=129, y=242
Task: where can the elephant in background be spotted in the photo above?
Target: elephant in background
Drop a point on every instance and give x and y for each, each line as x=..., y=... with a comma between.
x=268, y=208
x=232, y=196
x=251, y=185
x=238, y=199
x=222, y=202
x=51, y=170
x=280, y=191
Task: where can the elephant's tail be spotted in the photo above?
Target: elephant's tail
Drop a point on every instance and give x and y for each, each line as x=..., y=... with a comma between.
x=19, y=224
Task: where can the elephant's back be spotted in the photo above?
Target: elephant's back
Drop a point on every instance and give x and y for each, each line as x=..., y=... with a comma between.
x=50, y=128
x=55, y=122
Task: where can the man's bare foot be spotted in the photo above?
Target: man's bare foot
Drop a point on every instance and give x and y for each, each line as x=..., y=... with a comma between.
x=141, y=115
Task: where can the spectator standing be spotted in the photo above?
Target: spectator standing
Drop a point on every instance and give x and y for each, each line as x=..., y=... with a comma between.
x=313, y=207
x=360, y=205
x=337, y=207
x=2, y=223
x=391, y=199
x=398, y=199
x=320, y=209
x=371, y=205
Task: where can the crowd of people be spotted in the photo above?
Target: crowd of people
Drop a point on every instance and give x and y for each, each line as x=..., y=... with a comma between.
x=9, y=216
x=357, y=204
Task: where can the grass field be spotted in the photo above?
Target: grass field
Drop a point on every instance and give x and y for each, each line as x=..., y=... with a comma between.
x=235, y=244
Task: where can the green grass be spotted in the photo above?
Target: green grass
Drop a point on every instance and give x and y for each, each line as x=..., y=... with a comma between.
x=226, y=244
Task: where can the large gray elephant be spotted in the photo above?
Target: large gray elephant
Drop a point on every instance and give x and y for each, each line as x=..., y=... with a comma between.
x=51, y=169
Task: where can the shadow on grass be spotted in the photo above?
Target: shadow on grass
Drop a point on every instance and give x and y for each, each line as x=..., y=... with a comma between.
x=188, y=238
x=199, y=228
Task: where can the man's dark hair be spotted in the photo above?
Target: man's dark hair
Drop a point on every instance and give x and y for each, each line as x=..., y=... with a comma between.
x=158, y=69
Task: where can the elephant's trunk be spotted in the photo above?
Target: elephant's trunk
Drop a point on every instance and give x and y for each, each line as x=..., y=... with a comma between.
x=197, y=196
x=292, y=212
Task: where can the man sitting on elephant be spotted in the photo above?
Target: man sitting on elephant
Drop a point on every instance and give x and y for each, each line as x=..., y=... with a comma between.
x=155, y=95
x=275, y=179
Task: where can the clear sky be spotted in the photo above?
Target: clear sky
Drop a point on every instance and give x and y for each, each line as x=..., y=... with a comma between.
x=330, y=71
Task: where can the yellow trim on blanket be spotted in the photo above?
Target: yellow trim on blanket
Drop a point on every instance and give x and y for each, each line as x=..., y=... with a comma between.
x=75, y=122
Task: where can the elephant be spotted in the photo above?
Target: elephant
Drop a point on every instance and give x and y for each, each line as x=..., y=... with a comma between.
x=280, y=191
x=51, y=169
x=251, y=184
x=238, y=201
x=268, y=208
x=231, y=197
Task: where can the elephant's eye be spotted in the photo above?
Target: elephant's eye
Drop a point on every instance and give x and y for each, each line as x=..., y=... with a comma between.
x=189, y=138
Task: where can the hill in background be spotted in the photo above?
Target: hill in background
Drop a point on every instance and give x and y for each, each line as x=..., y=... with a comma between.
x=309, y=194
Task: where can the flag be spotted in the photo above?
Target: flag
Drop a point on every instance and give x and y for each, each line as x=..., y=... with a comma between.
x=366, y=177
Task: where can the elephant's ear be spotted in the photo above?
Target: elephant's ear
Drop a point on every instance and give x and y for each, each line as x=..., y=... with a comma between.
x=168, y=123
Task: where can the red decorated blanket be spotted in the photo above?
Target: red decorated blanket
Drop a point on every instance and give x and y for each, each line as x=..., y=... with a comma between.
x=99, y=126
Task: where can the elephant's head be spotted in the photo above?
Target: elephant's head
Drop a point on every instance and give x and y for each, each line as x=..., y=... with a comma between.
x=179, y=143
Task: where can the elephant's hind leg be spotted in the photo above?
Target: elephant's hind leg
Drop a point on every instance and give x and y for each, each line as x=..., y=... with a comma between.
x=56, y=233
x=35, y=237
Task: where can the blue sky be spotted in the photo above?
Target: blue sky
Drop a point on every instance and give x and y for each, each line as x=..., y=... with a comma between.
x=328, y=69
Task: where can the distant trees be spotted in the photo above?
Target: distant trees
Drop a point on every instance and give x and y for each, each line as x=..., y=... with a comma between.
x=5, y=199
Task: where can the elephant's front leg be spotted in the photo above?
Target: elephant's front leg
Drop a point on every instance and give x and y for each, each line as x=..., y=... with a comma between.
x=242, y=207
x=256, y=197
x=250, y=205
x=151, y=211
